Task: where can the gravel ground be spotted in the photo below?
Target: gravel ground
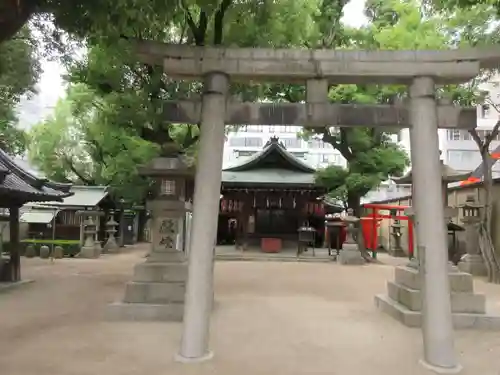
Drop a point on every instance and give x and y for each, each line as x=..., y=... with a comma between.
x=271, y=318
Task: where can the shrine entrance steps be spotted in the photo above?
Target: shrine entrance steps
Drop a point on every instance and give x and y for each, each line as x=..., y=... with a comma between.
x=229, y=252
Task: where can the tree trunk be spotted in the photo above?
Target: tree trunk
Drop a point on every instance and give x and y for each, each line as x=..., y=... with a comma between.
x=354, y=202
x=486, y=243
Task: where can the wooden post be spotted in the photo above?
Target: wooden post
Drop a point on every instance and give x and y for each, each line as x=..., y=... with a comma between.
x=15, y=256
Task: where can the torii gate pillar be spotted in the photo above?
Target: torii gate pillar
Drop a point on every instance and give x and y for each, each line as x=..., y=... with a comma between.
x=199, y=288
x=437, y=328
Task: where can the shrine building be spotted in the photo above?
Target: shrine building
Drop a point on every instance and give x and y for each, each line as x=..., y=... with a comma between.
x=270, y=195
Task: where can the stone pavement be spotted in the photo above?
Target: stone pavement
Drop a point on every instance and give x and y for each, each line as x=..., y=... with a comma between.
x=271, y=318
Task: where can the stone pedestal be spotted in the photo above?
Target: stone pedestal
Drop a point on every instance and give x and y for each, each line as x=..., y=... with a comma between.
x=396, y=252
x=473, y=264
x=350, y=254
x=404, y=300
x=157, y=291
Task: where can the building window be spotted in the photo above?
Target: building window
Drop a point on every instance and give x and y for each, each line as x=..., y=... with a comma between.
x=255, y=128
x=486, y=133
x=317, y=143
x=245, y=142
x=236, y=141
x=253, y=142
x=245, y=153
x=453, y=134
x=325, y=158
x=291, y=142
x=464, y=158
x=485, y=110
x=336, y=159
x=288, y=129
x=299, y=155
x=466, y=135
x=272, y=128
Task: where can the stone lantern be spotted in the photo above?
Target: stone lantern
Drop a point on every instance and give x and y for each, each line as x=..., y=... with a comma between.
x=395, y=248
x=350, y=253
x=158, y=287
x=111, y=241
x=89, y=248
x=448, y=175
x=472, y=262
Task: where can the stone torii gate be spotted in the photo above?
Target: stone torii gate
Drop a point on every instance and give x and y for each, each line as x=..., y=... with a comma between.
x=420, y=70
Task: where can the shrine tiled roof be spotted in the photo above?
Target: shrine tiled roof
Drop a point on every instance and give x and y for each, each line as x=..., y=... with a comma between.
x=268, y=176
x=273, y=165
x=19, y=184
x=274, y=152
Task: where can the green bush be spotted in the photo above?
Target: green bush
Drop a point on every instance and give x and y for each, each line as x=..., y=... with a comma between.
x=71, y=247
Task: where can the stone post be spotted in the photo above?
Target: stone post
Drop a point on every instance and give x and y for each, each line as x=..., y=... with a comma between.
x=89, y=249
x=437, y=328
x=110, y=244
x=473, y=261
x=350, y=253
x=195, y=335
x=316, y=98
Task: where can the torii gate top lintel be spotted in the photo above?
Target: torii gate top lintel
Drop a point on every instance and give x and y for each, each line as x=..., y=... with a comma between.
x=337, y=66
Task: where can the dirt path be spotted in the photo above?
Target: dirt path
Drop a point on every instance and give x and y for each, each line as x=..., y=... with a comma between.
x=271, y=318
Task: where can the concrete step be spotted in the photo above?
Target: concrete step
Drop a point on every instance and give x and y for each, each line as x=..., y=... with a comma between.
x=121, y=311
x=160, y=272
x=486, y=322
x=166, y=257
x=264, y=258
x=154, y=293
x=460, y=302
x=460, y=282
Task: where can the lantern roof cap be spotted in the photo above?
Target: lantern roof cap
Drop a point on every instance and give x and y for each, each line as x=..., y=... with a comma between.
x=448, y=174
x=171, y=165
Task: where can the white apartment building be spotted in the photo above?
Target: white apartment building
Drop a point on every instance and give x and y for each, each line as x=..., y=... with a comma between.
x=249, y=139
x=459, y=149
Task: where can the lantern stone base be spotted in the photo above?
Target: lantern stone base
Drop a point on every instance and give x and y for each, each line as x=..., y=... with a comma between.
x=404, y=301
x=111, y=246
x=473, y=264
x=396, y=252
x=157, y=291
x=89, y=252
x=350, y=255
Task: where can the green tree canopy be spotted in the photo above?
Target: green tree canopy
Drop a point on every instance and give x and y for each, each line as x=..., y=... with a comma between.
x=79, y=144
x=19, y=72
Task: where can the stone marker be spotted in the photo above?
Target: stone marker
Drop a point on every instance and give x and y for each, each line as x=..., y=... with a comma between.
x=44, y=252
x=30, y=251
x=58, y=252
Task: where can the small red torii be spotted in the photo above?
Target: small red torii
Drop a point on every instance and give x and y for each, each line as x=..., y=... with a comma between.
x=375, y=207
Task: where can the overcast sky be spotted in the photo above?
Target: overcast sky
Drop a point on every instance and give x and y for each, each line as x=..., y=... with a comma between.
x=51, y=86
